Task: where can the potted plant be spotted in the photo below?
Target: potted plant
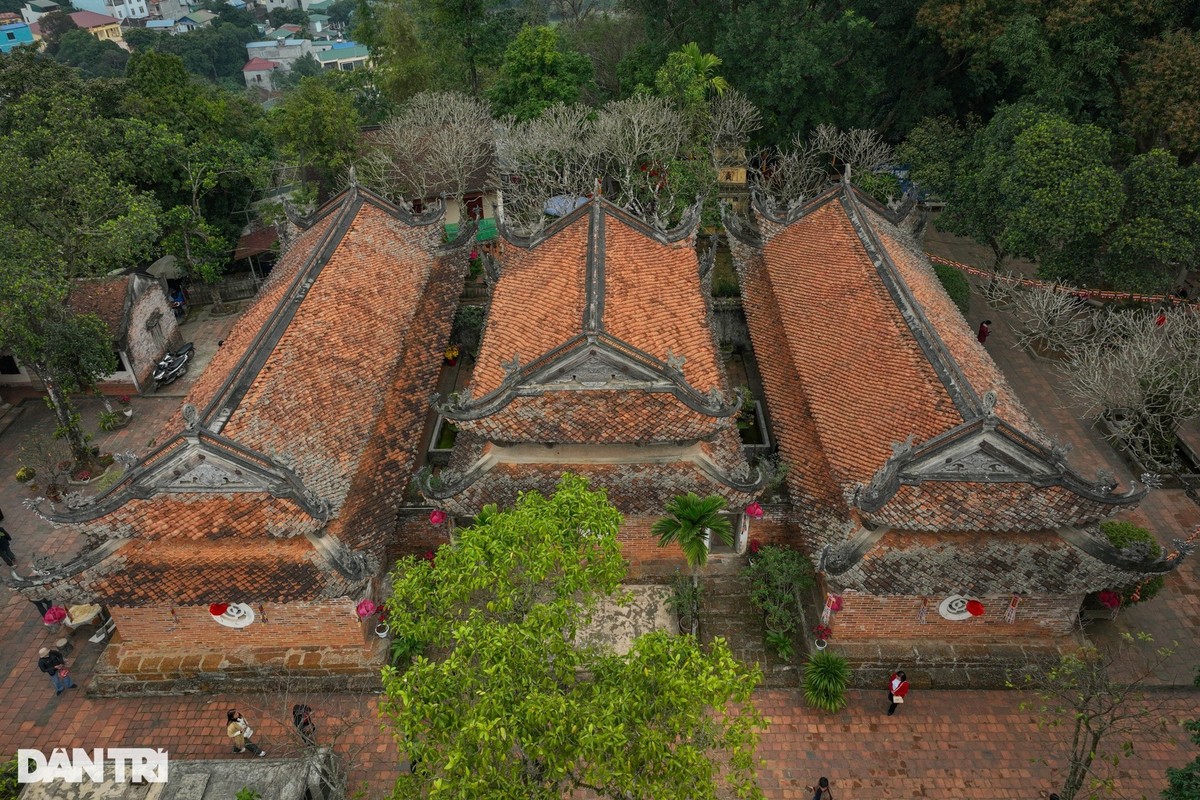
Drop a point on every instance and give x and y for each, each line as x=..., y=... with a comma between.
x=825, y=678
x=382, y=628
x=823, y=633
x=752, y=550
x=26, y=474
x=685, y=602
x=451, y=355
x=126, y=405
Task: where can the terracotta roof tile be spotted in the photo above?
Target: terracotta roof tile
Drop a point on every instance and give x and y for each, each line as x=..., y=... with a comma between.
x=537, y=304
x=867, y=381
x=104, y=297
x=196, y=516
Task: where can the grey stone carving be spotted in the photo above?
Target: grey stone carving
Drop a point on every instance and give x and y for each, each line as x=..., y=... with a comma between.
x=207, y=475
x=675, y=362
x=126, y=459
x=191, y=417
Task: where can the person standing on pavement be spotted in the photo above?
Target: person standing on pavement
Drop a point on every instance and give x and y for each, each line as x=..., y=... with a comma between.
x=985, y=330
x=52, y=663
x=821, y=790
x=240, y=731
x=6, y=553
x=897, y=690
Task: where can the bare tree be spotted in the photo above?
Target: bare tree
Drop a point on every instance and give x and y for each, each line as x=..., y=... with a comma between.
x=1139, y=369
x=636, y=140
x=573, y=12
x=550, y=155
x=810, y=165
x=863, y=150
x=1097, y=697
x=440, y=144
x=731, y=120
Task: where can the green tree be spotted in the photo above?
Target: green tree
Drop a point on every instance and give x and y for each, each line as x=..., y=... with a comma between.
x=96, y=58
x=1162, y=106
x=689, y=77
x=537, y=72
x=317, y=129
x=304, y=67
x=693, y=521
x=53, y=26
x=507, y=701
x=341, y=14
x=1184, y=783
x=287, y=16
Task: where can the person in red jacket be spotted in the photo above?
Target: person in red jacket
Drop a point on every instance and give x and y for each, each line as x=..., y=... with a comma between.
x=897, y=690
x=985, y=330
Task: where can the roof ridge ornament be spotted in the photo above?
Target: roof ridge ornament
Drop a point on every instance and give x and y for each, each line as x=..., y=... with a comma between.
x=675, y=362
x=191, y=417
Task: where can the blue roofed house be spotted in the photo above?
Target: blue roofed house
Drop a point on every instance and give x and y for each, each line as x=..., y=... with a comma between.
x=13, y=35
x=166, y=25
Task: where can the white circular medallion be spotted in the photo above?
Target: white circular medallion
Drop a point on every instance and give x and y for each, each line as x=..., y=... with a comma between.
x=954, y=608
x=238, y=615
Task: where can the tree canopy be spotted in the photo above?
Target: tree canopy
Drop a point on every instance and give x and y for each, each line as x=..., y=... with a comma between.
x=506, y=700
x=537, y=72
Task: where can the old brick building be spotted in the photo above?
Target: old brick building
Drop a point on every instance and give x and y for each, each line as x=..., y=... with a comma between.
x=272, y=499
x=918, y=480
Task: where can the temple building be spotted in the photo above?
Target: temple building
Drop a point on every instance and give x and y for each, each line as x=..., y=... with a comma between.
x=240, y=546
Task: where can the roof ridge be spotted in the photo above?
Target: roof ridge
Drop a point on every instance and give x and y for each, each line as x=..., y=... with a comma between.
x=944, y=365
x=242, y=376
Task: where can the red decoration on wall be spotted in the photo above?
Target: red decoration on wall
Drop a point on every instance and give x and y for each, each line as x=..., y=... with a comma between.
x=975, y=608
x=754, y=510
x=437, y=516
x=217, y=609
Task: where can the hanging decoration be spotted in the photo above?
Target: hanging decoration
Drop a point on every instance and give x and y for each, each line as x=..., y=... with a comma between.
x=174, y=615
x=1109, y=599
x=1010, y=615
x=217, y=609
x=366, y=608
x=437, y=516
x=975, y=608
x=833, y=603
x=262, y=612
x=924, y=612
x=754, y=511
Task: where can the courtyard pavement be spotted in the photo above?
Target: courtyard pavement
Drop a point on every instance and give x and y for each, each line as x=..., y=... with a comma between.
x=943, y=744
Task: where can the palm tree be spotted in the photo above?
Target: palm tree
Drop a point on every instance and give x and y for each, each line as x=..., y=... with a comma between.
x=704, y=67
x=691, y=520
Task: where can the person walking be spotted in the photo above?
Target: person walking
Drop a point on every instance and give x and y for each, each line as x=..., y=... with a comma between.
x=6, y=552
x=985, y=330
x=240, y=731
x=897, y=690
x=821, y=790
x=52, y=663
x=302, y=719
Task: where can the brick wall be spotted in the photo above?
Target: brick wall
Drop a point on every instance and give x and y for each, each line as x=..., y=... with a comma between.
x=141, y=347
x=309, y=640
x=872, y=618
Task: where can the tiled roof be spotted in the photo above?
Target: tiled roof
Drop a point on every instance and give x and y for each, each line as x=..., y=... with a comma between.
x=255, y=242
x=87, y=20
x=536, y=305
x=199, y=517
x=104, y=297
x=649, y=296
x=259, y=65
x=867, y=382
x=247, y=571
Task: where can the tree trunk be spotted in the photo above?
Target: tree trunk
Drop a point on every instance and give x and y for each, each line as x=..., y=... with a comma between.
x=68, y=424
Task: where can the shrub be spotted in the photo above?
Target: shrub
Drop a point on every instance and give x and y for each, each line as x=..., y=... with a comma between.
x=111, y=420
x=880, y=185
x=405, y=649
x=776, y=575
x=9, y=788
x=955, y=284
x=825, y=677
x=246, y=793
x=782, y=644
x=685, y=600
x=26, y=474
x=1138, y=543
x=468, y=327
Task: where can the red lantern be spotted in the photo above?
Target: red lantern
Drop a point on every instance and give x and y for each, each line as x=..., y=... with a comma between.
x=217, y=609
x=975, y=608
x=437, y=516
x=754, y=510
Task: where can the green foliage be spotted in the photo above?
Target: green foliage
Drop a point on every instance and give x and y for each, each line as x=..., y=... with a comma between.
x=882, y=186
x=1137, y=543
x=777, y=576
x=53, y=27
x=685, y=600
x=96, y=58
x=690, y=520
x=468, y=327
x=111, y=420
x=405, y=649
x=781, y=642
x=287, y=16
x=507, y=702
x=1184, y=783
x=956, y=285
x=537, y=72
x=9, y=788
x=26, y=474
x=317, y=129
x=689, y=77
x=246, y=793
x=826, y=676
x=215, y=53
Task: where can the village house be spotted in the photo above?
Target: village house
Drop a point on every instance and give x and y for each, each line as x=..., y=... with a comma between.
x=101, y=26
x=139, y=319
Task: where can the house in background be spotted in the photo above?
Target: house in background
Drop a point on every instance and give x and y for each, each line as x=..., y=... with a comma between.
x=283, y=53
x=162, y=25
x=14, y=34
x=121, y=9
x=136, y=311
x=101, y=26
x=318, y=24
x=194, y=20
x=346, y=56
x=36, y=9
x=258, y=73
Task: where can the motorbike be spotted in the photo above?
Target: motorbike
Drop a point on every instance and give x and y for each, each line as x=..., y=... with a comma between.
x=173, y=365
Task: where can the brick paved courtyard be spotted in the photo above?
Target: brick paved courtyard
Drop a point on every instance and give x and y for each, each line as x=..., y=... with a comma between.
x=942, y=744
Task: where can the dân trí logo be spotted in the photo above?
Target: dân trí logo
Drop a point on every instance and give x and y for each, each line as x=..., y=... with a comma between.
x=136, y=764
